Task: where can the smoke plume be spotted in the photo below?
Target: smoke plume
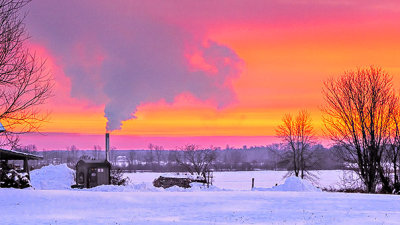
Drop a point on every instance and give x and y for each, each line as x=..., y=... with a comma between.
x=120, y=56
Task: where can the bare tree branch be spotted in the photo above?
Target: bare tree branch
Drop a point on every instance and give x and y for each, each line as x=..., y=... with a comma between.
x=195, y=160
x=23, y=80
x=298, y=136
x=357, y=117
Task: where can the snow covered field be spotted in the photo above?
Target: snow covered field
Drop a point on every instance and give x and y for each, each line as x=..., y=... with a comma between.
x=241, y=180
x=230, y=207
x=54, y=203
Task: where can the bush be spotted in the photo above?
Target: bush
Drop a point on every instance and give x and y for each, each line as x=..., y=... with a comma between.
x=117, y=178
x=345, y=190
x=10, y=178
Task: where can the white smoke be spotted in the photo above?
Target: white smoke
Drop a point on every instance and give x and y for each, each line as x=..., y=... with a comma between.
x=124, y=60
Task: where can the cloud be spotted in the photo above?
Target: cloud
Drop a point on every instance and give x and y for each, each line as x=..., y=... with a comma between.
x=122, y=57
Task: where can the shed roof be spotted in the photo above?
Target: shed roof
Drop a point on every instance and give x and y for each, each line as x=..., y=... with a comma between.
x=93, y=162
x=15, y=155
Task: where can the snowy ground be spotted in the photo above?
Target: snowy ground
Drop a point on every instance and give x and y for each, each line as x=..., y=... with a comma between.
x=54, y=203
x=241, y=180
x=230, y=207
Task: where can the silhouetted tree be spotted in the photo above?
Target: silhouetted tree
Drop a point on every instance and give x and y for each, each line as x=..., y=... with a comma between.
x=357, y=116
x=72, y=155
x=392, y=157
x=157, y=152
x=149, y=157
x=24, y=84
x=195, y=160
x=132, y=157
x=96, y=151
x=298, y=136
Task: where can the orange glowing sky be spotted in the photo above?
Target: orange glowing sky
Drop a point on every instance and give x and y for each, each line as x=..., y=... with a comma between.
x=287, y=49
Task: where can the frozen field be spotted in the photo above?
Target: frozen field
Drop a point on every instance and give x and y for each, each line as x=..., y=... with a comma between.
x=53, y=202
x=242, y=180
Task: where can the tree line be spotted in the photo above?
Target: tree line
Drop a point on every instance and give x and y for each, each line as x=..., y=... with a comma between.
x=269, y=157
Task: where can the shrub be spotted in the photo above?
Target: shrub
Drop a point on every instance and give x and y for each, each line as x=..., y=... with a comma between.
x=117, y=178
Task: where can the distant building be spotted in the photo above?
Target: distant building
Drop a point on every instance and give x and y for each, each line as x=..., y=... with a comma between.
x=92, y=173
x=122, y=161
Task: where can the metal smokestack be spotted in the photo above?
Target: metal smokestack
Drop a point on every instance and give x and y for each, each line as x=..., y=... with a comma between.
x=107, y=146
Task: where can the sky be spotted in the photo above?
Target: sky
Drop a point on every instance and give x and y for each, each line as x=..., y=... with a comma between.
x=204, y=72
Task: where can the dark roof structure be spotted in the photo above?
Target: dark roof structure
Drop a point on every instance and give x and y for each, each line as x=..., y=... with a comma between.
x=14, y=155
x=94, y=162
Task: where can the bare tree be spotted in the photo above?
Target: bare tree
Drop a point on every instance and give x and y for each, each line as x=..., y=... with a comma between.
x=28, y=148
x=357, y=117
x=195, y=160
x=171, y=158
x=150, y=156
x=132, y=157
x=392, y=155
x=96, y=151
x=72, y=154
x=24, y=84
x=158, y=152
x=298, y=136
x=276, y=150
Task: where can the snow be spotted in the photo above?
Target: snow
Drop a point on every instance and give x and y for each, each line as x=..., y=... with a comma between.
x=293, y=201
x=52, y=177
x=181, y=175
x=227, y=207
x=241, y=180
x=292, y=184
x=148, y=187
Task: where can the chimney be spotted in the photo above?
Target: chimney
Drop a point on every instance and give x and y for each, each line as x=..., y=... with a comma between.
x=107, y=146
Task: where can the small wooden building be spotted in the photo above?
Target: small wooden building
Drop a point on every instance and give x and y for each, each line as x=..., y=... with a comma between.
x=91, y=173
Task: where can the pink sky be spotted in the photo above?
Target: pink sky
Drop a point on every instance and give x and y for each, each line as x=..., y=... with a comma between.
x=59, y=141
x=213, y=73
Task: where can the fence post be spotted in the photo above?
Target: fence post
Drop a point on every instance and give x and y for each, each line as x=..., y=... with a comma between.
x=208, y=179
x=252, y=183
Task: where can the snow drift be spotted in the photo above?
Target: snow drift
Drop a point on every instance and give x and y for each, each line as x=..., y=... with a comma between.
x=292, y=184
x=52, y=177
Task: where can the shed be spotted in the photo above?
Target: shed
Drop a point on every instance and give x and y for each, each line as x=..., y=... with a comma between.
x=6, y=155
x=91, y=173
